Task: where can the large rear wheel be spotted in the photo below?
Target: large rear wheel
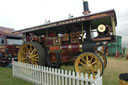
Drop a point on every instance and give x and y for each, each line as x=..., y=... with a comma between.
x=88, y=63
x=32, y=53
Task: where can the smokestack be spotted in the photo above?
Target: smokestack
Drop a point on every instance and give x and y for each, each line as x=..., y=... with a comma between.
x=86, y=8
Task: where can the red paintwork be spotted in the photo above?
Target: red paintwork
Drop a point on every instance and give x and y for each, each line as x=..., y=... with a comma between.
x=67, y=52
x=54, y=48
x=7, y=51
x=49, y=41
x=71, y=49
x=12, y=49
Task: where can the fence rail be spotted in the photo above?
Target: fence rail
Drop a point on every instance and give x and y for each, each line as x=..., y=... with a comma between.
x=41, y=75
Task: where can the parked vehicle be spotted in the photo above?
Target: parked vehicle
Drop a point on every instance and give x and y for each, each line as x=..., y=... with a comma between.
x=9, y=45
x=74, y=40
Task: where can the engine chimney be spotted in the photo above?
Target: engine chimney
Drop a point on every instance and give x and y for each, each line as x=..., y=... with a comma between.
x=86, y=9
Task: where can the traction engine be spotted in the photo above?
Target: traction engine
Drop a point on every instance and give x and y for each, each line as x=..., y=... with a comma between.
x=76, y=41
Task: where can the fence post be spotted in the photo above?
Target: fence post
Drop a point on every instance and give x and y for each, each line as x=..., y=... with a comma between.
x=77, y=78
x=53, y=80
x=86, y=77
x=69, y=78
x=56, y=77
x=82, y=76
x=42, y=76
x=59, y=76
x=73, y=74
x=13, y=68
x=91, y=78
x=66, y=77
x=100, y=81
x=47, y=76
x=62, y=77
x=50, y=75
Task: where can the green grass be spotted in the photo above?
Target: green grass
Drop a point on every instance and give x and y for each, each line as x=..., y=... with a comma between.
x=6, y=78
x=110, y=76
x=114, y=68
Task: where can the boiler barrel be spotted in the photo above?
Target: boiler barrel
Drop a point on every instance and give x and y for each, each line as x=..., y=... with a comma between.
x=71, y=48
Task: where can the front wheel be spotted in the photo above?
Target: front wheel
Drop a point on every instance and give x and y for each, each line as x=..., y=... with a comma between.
x=32, y=53
x=88, y=63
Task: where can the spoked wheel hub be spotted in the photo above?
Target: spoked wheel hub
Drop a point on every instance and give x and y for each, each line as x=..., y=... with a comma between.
x=31, y=52
x=88, y=63
x=28, y=54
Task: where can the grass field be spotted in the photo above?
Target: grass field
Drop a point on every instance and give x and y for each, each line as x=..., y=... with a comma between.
x=110, y=76
x=6, y=78
x=114, y=68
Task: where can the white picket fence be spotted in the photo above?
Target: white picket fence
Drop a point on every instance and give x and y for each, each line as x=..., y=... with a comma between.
x=40, y=75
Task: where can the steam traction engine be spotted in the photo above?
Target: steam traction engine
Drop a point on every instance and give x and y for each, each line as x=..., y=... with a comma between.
x=76, y=40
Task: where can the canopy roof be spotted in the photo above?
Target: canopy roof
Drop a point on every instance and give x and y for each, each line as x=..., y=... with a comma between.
x=95, y=18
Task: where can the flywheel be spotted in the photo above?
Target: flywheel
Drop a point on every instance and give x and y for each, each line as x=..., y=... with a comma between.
x=88, y=63
x=32, y=53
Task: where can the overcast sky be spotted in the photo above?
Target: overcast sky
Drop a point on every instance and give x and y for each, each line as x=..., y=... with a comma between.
x=19, y=14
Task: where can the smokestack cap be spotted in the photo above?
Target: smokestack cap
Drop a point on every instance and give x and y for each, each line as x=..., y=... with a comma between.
x=86, y=8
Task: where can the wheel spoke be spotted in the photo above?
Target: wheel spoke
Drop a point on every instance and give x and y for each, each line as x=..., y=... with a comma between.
x=35, y=60
x=30, y=48
x=87, y=59
x=94, y=62
x=26, y=48
x=93, y=74
x=84, y=60
x=95, y=68
x=33, y=51
x=91, y=59
x=82, y=63
x=24, y=55
x=26, y=61
x=34, y=55
x=29, y=52
x=35, y=63
x=23, y=52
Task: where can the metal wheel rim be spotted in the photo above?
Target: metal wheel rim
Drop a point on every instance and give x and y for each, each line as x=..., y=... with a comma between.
x=28, y=54
x=88, y=63
x=103, y=58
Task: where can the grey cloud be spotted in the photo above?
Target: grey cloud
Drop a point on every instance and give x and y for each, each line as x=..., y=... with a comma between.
x=122, y=27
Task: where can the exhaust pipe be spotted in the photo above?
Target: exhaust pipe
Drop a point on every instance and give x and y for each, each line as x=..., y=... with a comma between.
x=86, y=8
